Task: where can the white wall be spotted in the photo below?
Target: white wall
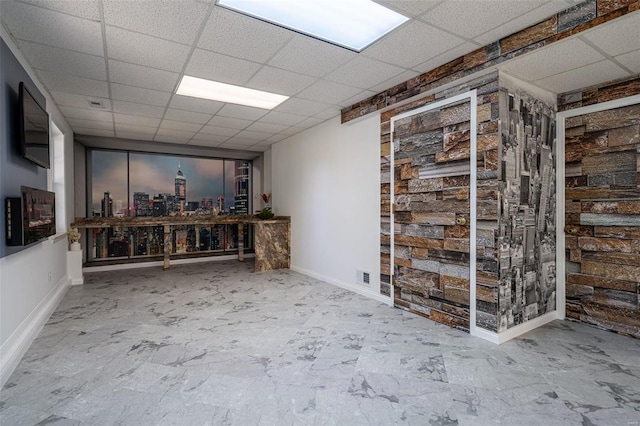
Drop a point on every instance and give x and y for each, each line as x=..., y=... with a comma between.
x=327, y=179
x=33, y=280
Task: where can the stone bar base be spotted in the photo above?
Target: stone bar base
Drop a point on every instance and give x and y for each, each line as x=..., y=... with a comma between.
x=272, y=242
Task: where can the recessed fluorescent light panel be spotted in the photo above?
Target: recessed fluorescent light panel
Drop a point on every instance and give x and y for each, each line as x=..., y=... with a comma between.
x=353, y=24
x=207, y=89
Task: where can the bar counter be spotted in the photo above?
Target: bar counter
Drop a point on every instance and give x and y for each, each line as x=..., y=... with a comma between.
x=271, y=237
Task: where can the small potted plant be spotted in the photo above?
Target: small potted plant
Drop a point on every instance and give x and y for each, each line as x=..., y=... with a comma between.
x=266, y=212
x=74, y=239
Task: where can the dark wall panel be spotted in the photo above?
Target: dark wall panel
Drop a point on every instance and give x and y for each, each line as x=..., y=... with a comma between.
x=14, y=170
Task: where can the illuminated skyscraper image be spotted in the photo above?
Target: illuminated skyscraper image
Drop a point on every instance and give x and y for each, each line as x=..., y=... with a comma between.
x=241, y=187
x=181, y=190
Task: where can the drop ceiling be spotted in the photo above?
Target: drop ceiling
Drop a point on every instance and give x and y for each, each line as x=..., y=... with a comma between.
x=113, y=66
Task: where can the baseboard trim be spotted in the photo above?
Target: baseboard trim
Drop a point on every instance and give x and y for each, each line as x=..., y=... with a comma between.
x=516, y=331
x=19, y=342
x=352, y=287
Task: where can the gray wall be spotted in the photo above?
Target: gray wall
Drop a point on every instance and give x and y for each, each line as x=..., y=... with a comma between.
x=14, y=170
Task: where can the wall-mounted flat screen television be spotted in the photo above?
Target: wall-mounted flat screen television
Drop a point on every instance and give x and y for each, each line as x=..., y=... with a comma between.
x=31, y=217
x=34, y=129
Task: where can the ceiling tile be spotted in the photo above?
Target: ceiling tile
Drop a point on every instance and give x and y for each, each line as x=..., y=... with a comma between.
x=132, y=128
x=476, y=17
x=87, y=114
x=187, y=116
x=309, y=122
x=180, y=125
x=205, y=139
x=363, y=72
x=365, y=94
x=142, y=49
x=136, y=120
x=400, y=78
x=93, y=132
x=171, y=139
x=277, y=138
x=137, y=94
x=410, y=8
x=228, y=145
x=407, y=46
x=219, y=131
x=175, y=133
x=630, y=60
x=240, y=142
x=554, y=59
x=135, y=136
x=87, y=9
x=530, y=18
x=72, y=84
x=328, y=91
x=279, y=81
x=445, y=57
x=49, y=58
x=256, y=136
x=178, y=21
x=291, y=131
x=583, y=77
x=241, y=36
x=260, y=126
x=328, y=113
x=131, y=108
x=145, y=77
x=222, y=68
x=240, y=111
x=282, y=118
x=301, y=106
x=309, y=56
x=79, y=101
x=52, y=28
x=188, y=103
x=617, y=37
x=90, y=124
x=230, y=122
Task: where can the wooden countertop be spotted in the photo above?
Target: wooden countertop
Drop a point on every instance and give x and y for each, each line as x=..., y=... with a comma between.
x=108, y=222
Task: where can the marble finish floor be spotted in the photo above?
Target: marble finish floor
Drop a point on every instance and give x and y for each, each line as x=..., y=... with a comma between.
x=215, y=343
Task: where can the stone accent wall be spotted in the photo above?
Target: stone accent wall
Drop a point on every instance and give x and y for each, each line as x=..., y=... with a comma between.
x=431, y=185
x=527, y=231
x=574, y=20
x=602, y=232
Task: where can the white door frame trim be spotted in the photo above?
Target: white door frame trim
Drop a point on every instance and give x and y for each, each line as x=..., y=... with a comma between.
x=560, y=186
x=472, y=96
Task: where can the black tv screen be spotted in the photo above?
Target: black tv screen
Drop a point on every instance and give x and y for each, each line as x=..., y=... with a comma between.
x=34, y=129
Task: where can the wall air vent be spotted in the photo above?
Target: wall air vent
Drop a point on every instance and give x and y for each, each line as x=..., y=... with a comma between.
x=362, y=277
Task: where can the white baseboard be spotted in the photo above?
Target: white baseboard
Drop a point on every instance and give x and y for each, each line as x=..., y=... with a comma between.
x=121, y=266
x=18, y=343
x=352, y=287
x=516, y=331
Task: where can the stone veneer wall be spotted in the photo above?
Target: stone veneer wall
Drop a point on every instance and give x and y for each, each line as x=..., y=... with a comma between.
x=433, y=250
x=569, y=22
x=602, y=209
x=527, y=231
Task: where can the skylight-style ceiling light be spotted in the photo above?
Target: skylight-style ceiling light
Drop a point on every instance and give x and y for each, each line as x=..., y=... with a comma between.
x=353, y=24
x=207, y=89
